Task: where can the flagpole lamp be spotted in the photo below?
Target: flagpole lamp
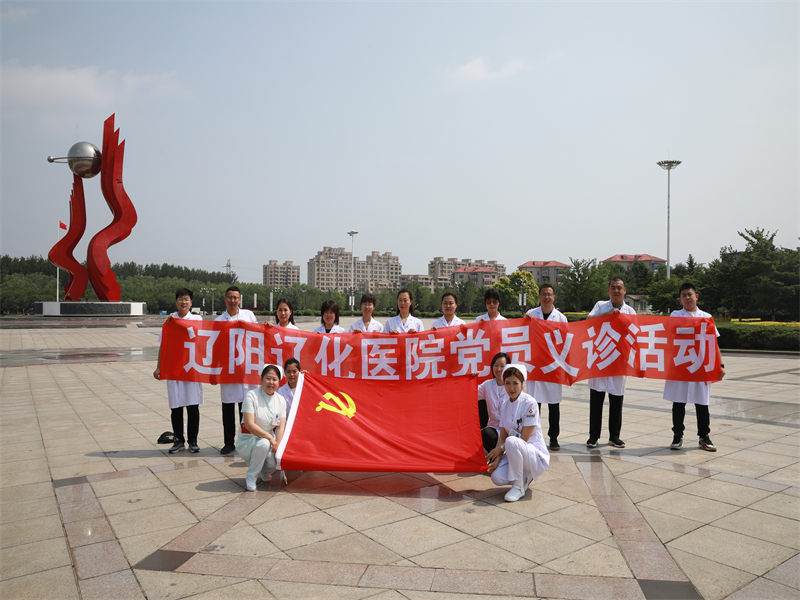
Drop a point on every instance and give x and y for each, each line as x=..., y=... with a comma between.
x=352, y=235
x=668, y=165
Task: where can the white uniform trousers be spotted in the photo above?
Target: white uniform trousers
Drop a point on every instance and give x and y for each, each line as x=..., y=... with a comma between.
x=258, y=460
x=522, y=463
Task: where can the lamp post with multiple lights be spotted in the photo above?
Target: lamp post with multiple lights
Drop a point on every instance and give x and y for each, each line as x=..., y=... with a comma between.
x=668, y=165
x=352, y=235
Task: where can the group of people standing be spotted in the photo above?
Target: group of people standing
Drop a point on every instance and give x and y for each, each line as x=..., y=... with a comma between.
x=509, y=405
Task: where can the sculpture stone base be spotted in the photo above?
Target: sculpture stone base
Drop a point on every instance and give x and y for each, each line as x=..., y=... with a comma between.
x=91, y=309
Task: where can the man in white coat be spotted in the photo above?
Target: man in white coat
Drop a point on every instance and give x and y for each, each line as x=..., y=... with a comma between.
x=545, y=391
x=681, y=393
x=615, y=386
x=233, y=393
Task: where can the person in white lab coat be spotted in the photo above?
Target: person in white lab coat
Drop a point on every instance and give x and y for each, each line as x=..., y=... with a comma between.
x=404, y=321
x=284, y=314
x=181, y=394
x=681, y=393
x=366, y=322
x=233, y=393
x=545, y=391
x=329, y=317
x=449, y=307
x=615, y=386
x=491, y=398
x=492, y=299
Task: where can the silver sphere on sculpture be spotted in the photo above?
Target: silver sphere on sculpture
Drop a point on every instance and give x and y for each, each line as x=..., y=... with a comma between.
x=83, y=159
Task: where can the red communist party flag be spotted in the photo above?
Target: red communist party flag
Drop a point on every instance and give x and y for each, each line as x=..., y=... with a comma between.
x=427, y=425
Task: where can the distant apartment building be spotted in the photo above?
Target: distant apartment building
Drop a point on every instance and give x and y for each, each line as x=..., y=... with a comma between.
x=544, y=271
x=283, y=275
x=480, y=276
x=332, y=269
x=626, y=260
x=426, y=280
x=441, y=269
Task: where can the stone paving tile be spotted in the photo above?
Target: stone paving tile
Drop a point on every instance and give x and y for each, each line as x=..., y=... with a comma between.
x=317, y=572
x=689, y=506
x=536, y=541
x=784, y=505
x=395, y=483
x=336, y=495
x=121, y=485
x=597, y=560
x=404, y=578
x=473, y=554
x=650, y=560
x=369, y=513
x=16, y=533
x=537, y=504
x=121, y=585
x=136, y=500
x=415, y=536
x=26, y=559
x=279, y=507
x=483, y=582
x=350, y=548
x=93, y=560
x=247, y=590
x=27, y=492
x=733, y=549
x=578, y=587
x=242, y=540
x=249, y=567
x=787, y=573
x=429, y=499
x=771, y=528
x=475, y=518
x=50, y=584
x=764, y=588
x=90, y=531
x=290, y=590
x=149, y=520
x=581, y=519
x=714, y=581
x=139, y=547
x=199, y=536
x=300, y=530
x=162, y=585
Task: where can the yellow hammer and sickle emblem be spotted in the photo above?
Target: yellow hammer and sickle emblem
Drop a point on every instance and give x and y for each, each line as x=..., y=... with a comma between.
x=347, y=410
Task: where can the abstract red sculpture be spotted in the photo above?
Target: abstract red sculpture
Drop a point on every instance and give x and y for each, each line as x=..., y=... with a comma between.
x=85, y=161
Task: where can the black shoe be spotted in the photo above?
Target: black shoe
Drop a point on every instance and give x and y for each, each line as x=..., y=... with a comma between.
x=194, y=448
x=178, y=447
x=677, y=443
x=590, y=443
x=227, y=449
x=554, y=444
x=707, y=444
x=616, y=442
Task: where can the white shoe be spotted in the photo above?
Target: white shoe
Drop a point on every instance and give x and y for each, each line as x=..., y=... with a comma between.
x=250, y=484
x=514, y=494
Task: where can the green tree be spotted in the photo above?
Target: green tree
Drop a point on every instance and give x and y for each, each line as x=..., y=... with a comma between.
x=581, y=284
x=664, y=295
x=510, y=287
x=638, y=278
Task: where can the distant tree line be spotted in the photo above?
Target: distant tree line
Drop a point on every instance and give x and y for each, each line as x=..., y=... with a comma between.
x=761, y=281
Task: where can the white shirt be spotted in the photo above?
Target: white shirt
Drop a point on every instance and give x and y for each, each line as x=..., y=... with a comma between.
x=289, y=325
x=288, y=396
x=688, y=392
x=267, y=410
x=522, y=413
x=235, y=392
x=485, y=317
x=442, y=322
x=396, y=322
x=334, y=329
x=495, y=397
x=613, y=385
x=546, y=392
x=184, y=393
x=373, y=327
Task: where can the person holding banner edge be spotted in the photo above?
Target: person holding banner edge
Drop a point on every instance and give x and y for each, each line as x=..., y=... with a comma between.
x=404, y=321
x=233, y=393
x=520, y=456
x=544, y=391
x=614, y=386
x=681, y=393
x=264, y=413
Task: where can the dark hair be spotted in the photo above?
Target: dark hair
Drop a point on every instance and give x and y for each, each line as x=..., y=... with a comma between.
x=410, y=297
x=272, y=367
x=367, y=298
x=446, y=294
x=291, y=308
x=513, y=372
x=545, y=286
x=613, y=279
x=498, y=356
x=688, y=285
x=326, y=306
x=291, y=361
x=233, y=288
x=183, y=292
x=491, y=294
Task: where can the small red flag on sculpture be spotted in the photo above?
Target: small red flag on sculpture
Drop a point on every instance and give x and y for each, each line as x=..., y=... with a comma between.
x=61, y=224
x=427, y=425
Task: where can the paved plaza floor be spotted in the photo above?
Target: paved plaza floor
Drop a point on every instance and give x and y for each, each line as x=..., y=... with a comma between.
x=92, y=507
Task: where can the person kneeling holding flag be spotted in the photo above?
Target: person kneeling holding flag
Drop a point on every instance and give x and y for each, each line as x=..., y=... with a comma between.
x=521, y=455
x=264, y=414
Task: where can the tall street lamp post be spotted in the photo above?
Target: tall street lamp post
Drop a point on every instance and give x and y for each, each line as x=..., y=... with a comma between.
x=668, y=165
x=352, y=235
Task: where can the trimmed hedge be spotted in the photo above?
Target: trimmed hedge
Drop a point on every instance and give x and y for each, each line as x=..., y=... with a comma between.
x=758, y=337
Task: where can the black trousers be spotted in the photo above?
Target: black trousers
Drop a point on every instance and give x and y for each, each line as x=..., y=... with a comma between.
x=596, y=401
x=483, y=413
x=489, y=437
x=229, y=422
x=192, y=425
x=553, y=419
x=703, y=419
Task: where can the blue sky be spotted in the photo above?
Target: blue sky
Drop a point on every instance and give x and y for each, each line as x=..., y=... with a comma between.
x=509, y=131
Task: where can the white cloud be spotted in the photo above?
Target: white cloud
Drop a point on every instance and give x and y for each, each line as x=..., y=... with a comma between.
x=478, y=71
x=88, y=87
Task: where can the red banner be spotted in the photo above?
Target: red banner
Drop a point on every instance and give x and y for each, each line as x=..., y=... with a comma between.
x=642, y=346
x=426, y=426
